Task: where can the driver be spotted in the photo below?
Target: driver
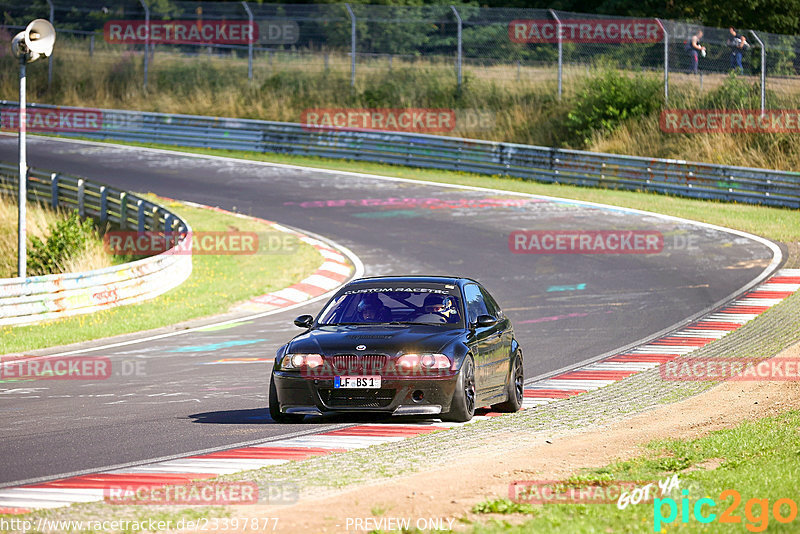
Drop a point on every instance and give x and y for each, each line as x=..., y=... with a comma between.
x=371, y=309
x=439, y=308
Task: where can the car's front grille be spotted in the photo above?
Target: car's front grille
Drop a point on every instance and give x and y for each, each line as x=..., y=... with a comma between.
x=357, y=364
x=357, y=398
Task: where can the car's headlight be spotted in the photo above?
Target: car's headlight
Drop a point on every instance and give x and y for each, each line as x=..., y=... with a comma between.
x=410, y=362
x=297, y=361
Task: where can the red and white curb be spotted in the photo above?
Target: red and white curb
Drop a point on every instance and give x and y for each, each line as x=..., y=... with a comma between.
x=90, y=488
x=701, y=332
x=334, y=271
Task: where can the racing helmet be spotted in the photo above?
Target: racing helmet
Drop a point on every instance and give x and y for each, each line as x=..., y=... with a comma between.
x=441, y=304
x=369, y=307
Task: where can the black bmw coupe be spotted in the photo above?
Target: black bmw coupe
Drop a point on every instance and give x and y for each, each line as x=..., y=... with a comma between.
x=410, y=345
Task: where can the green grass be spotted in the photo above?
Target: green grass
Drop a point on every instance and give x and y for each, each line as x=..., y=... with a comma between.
x=503, y=506
x=217, y=282
x=760, y=460
x=774, y=223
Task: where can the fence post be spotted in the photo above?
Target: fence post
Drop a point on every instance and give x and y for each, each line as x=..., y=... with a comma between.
x=459, y=45
x=50, y=59
x=146, y=39
x=560, y=52
x=352, y=45
x=81, y=196
x=140, y=215
x=103, y=204
x=763, y=73
x=123, y=210
x=54, y=190
x=666, y=61
x=249, y=41
x=91, y=45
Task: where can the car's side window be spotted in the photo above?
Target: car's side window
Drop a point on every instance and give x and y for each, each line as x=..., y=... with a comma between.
x=474, y=302
x=491, y=304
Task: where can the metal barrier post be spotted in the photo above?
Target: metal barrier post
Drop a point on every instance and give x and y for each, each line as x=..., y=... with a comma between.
x=459, y=45
x=763, y=73
x=103, y=204
x=54, y=190
x=140, y=215
x=666, y=61
x=249, y=41
x=91, y=45
x=81, y=196
x=560, y=52
x=352, y=45
x=146, y=39
x=123, y=210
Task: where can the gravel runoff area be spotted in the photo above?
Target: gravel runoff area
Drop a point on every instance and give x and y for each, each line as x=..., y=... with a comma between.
x=763, y=337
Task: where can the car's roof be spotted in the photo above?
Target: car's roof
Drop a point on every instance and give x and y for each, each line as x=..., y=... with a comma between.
x=414, y=279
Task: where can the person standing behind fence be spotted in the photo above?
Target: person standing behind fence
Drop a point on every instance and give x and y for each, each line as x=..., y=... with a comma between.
x=695, y=50
x=737, y=45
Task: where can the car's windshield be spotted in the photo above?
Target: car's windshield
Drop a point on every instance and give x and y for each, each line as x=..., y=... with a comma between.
x=390, y=305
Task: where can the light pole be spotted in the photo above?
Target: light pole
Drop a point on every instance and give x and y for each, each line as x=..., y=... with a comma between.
x=35, y=41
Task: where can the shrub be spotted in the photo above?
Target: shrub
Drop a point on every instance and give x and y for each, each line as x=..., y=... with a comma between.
x=607, y=100
x=67, y=238
x=735, y=93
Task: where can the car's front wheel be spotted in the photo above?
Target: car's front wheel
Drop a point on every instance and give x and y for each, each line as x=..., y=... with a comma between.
x=275, y=408
x=515, y=388
x=462, y=407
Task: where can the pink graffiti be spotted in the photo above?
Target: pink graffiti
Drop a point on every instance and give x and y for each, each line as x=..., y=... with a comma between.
x=427, y=202
x=552, y=318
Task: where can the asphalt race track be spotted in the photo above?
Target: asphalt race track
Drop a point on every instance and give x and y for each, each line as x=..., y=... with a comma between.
x=566, y=307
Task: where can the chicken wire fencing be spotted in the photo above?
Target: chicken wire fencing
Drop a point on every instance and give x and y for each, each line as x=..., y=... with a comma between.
x=255, y=40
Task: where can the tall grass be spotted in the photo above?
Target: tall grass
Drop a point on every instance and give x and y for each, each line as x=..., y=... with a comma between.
x=522, y=102
x=39, y=223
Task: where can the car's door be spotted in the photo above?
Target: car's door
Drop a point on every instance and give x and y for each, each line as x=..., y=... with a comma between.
x=484, y=338
x=501, y=364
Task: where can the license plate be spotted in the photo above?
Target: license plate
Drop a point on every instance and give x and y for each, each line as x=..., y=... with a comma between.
x=357, y=382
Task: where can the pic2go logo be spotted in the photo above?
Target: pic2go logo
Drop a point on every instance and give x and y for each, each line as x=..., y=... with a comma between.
x=756, y=511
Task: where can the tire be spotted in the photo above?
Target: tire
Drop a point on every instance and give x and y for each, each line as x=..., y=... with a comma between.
x=462, y=407
x=515, y=388
x=275, y=408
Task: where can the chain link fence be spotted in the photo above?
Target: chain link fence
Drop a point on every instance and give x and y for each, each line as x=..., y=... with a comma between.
x=503, y=44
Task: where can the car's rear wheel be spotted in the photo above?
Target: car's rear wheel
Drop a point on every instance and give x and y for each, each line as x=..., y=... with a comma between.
x=515, y=388
x=275, y=407
x=462, y=407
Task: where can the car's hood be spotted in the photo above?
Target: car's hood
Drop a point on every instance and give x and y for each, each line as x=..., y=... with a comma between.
x=390, y=340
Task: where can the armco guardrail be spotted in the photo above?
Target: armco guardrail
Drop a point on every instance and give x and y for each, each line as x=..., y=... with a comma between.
x=698, y=180
x=38, y=298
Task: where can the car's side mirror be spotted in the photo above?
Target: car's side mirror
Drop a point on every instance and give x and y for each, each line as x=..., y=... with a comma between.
x=304, y=321
x=485, y=320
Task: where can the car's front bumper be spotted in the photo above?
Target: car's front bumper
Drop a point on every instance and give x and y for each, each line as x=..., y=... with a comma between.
x=396, y=396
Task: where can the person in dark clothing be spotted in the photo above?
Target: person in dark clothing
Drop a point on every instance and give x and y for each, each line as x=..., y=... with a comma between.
x=695, y=49
x=737, y=44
